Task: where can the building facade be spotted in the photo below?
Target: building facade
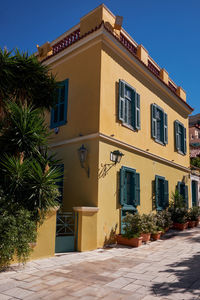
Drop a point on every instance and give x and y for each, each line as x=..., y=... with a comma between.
x=114, y=100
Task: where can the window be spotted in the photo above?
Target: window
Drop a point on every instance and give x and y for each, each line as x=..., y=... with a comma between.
x=60, y=182
x=129, y=188
x=161, y=193
x=129, y=105
x=180, y=137
x=159, y=124
x=59, y=112
x=183, y=191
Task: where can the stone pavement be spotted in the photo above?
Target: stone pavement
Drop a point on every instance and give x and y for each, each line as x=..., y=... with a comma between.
x=165, y=269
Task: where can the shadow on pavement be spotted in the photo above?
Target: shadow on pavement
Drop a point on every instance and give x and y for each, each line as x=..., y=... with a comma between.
x=187, y=273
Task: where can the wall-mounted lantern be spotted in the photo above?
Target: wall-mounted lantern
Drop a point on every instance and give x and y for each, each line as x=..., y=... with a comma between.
x=82, y=152
x=116, y=156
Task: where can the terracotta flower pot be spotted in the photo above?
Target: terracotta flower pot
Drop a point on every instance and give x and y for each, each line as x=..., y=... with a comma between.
x=133, y=242
x=156, y=236
x=191, y=224
x=166, y=229
x=181, y=226
x=146, y=237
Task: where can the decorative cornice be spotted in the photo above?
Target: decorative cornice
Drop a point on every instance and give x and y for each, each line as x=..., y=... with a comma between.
x=109, y=139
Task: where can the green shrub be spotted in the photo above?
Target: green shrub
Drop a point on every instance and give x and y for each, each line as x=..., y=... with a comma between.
x=17, y=231
x=147, y=222
x=178, y=208
x=132, y=225
x=193, y=213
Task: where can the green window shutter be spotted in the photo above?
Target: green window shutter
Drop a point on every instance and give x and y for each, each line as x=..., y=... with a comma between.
x=137, y=188
x=121, y=108
x=137, y=112
x=156, y=191
x=185, y=141
x=176, y=134
x=186, y=196
x=165, y=129
x=159, y=192
x=179, y=186
x=166, y=194
x=60, y=182
x=133, y=108
x=153, y=121
x=59, y=111
x=122, y=186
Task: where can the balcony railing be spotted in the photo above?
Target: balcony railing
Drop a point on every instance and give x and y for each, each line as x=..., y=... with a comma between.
x=172, y=87
x=153, y=68
x=67, y=41
x=127, y=44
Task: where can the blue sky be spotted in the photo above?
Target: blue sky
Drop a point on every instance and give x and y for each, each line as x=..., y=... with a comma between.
x=169, y=30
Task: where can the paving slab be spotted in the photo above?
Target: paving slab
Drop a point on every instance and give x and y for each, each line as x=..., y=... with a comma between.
x=161, y=270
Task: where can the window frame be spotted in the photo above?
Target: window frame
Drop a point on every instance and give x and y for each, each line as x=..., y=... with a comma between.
x=183, y=149
x=135, y=123
x=123, y=189
x=165, y=202
x=59, y=123
x=164, y=127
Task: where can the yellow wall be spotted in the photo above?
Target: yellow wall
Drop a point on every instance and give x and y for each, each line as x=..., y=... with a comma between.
x=79, y=190
x=45, y=245
x=113, y=68
x=108, y=191
x=83, y=71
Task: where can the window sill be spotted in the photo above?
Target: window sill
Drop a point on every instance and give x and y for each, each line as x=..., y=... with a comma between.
x=181, y=153
x=159, y=142
x=58, y=125
x=129, y=127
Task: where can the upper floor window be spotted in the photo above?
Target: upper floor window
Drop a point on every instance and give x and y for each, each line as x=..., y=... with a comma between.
x=129, y=105
x=59, y=111
x=159, y=124
x=180, y=137
x=129, y=188
x=161, y=193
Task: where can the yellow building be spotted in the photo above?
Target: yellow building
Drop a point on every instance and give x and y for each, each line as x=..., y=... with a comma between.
x=114, y=99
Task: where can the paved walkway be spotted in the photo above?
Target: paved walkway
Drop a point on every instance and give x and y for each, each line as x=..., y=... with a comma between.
x=166, y=269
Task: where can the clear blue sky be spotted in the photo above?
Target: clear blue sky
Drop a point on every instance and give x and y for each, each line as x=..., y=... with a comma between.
x=169, y=30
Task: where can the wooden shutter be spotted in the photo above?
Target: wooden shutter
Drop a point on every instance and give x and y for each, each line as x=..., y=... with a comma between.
x=185, y=141
x=60, y=182
x=165, y=129
x=59, y=112
x=166, y=194
x=153, y=121
x=156, y=191
x=133, y=108
x=121, y=108
x=137, y=188
x=186, y=195
x=176, y=134
x=122, y=186
x=179, y=186
x=137, y=112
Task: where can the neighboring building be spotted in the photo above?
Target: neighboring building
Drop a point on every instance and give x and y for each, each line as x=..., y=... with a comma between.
x=194, y=134
x=114, y=99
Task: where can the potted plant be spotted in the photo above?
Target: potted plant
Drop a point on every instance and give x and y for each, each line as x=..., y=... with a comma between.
x=193, y=216
x=147, y=222
x=132, y=231
x=156, y=232
x=164, y=219
x=178, y=211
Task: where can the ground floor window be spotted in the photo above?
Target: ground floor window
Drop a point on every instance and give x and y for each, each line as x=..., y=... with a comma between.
x=161, y=193
x=129, y=188
x=183, y=191
x=194, y=193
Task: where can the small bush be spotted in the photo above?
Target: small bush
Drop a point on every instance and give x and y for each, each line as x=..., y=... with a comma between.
x=132, y=225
